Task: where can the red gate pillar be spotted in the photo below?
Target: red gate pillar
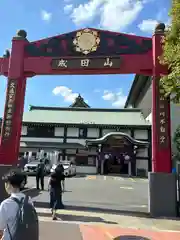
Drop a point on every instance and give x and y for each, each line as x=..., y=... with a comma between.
x=161, y=118
x=162, y=182
x=11, y=126
x=21, y=99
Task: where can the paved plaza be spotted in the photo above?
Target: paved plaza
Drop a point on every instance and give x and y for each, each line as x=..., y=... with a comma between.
x=66, y=231
x=103, y=208
x=101, y=193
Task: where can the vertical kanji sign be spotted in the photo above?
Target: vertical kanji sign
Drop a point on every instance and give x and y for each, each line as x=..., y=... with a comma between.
x=10, y=106
x=162, y=118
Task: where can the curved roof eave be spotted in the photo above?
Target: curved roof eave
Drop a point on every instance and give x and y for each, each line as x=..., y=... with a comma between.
x=104, y=138
x=138, y=89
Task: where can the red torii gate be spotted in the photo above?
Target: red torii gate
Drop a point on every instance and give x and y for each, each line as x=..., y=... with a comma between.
x=86, y=51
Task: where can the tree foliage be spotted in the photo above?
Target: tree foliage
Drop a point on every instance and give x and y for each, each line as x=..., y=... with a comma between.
x=171, y=54
x=177, y=139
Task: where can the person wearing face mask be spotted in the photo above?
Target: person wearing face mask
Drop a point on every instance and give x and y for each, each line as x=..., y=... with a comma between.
x=18, y=218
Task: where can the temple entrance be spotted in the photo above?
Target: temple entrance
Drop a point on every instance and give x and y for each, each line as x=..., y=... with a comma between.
x=115, y=165
x=88, y=52
x=117, y=153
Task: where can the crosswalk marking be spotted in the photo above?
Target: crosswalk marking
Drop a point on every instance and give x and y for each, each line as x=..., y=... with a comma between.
x=128, y=188
x=91, y=177
x=96, y=177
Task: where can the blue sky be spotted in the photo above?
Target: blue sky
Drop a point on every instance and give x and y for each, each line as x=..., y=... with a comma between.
x=44, y=18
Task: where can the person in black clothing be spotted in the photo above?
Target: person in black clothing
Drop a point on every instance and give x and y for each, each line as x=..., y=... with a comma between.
x=56, y=189
x=40, y=175
x=60, y=170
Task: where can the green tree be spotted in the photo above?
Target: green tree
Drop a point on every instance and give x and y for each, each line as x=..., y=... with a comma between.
x=177, y=139
x=171, y=54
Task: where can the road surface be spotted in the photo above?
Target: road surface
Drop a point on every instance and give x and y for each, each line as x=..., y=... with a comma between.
x=100, y=193
x=94, y=207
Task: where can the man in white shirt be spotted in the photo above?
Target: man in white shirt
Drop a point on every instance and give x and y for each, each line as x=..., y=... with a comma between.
x=9, y=208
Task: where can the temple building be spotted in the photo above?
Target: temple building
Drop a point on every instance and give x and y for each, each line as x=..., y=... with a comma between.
x=140, y=97
x=97, y=140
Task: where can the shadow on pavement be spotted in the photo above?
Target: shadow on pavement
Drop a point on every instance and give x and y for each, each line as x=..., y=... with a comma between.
x=39, y=204
x=131, y=238
x=76, y=218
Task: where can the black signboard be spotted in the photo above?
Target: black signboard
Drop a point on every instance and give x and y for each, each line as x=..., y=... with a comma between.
x=86, y=63
x=10, y=104
x=162, y=117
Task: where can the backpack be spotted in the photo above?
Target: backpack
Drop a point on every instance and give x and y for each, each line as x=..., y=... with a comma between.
x=26, y=222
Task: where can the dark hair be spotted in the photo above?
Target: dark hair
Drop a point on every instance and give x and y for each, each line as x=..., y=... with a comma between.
x=14, y=177
x=59, y=168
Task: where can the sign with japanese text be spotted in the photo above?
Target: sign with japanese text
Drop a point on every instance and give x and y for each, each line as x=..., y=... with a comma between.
x=87, y=122
x=10, y=103
x=86, y=63
x=162, y=118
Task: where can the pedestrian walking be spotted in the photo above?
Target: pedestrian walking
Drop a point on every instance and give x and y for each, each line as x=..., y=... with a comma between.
x=40, y=173
x=18, y=218
x=60, y=170
x=55, y=188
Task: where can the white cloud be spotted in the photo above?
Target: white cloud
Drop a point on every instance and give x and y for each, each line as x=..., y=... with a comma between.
x=68, y=8
x=46, y=16
x=116, y=98
x=66, y=93
x=114, y=14
x=108, y=96
x=129, y=33
x=148, y=25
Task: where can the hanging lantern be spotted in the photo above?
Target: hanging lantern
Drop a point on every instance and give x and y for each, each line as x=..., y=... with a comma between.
x=106, y=156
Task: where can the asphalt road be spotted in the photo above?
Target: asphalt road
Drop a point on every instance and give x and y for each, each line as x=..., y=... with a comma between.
x=100, y=193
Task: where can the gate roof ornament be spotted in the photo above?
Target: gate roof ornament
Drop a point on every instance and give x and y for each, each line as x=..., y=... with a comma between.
x=21, y=34
x=86, y=41
x=160, y=28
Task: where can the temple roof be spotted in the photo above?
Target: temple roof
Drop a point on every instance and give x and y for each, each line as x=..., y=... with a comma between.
x=116, y=134
x=79, y=103
x=84, y=115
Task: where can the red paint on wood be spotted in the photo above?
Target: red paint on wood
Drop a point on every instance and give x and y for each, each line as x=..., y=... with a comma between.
x=34, y=58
